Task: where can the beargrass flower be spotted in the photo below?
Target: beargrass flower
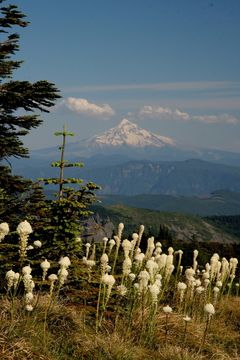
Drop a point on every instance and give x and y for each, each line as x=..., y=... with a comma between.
x=139, y=257
x=10, y=275
x=150, y=247
x=209, y=309
x=127, y=246
x=121, y=290
x=4, y=230
x=28, y=283
x=224, y=269
x=154, y=291
x=161, y=261
x=62, y=275
x=233, y=266
x=29, y=297
x=24, y=228
x=87, y=245
x=197, y=282
x=195, y=264
x=143, y=280
x=104, y=259
x=45, y=265
x=64, y=262
x=214, y=266
x=136, y=286
x=158, y=281
x=90, y=263
x=167, y=309
x=181, y=286
x=199, y=289
x=126, y=267
x=52, y=277
x=117, y=241
x=189, y=274
x=169, y=271
x=206, y=275
x=158, y=249
x=135, y=236
x=29, y=307
x=16, y=279
x=105, y=240
x=132, y=276
x=215, y=294
x=37, y=243
x=219, y=283
x=111, y=245
x=109, y=281
x=140, y=233
x=120, y=230
x=152, y=268
x=195, y=254
x=26, y=270
x=104, y=263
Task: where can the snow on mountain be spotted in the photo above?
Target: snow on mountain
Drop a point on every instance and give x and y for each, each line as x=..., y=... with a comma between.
x=128, y=133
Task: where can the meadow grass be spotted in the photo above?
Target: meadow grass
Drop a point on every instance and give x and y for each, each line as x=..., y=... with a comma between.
x=129, y=304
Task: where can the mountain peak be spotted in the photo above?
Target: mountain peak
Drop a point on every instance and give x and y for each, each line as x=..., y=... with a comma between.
x=125, y=122
x=128, y=133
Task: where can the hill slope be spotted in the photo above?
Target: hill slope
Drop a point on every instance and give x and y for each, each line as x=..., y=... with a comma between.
x=181, y=227
x=218, y=203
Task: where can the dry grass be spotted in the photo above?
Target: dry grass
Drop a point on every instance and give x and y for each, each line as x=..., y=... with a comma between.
x=70, y=335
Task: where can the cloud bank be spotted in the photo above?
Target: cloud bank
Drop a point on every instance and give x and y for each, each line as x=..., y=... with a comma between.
x=85, y=107
x=165, y=113
x=170, y=86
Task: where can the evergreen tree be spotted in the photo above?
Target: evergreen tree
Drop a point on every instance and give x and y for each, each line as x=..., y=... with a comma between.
x=63, y=217
x=18, y=102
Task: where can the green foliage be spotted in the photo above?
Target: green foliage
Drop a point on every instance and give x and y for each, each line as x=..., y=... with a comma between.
x=16, y=99
x=63, y=216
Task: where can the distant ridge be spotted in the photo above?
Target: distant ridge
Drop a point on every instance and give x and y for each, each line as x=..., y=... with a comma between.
x=127, y=141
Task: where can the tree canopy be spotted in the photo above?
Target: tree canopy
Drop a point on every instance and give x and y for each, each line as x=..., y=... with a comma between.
x=19, y=100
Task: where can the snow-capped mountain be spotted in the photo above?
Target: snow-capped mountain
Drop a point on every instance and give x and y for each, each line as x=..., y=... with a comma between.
x=128, y=133
x=127, y=141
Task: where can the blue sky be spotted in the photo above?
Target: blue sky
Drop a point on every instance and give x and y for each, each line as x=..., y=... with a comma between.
x=171, y=66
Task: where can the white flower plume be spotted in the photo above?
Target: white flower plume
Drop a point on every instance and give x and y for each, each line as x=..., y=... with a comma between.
x=85, y=107
x=166, y=113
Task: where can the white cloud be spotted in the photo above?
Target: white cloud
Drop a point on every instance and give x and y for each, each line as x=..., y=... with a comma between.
x=213, y=119
x=85, y=107
x=170, y=86
x=166, y=113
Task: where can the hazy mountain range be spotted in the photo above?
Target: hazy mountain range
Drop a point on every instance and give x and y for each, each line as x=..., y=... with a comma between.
x=130, y=161
x=127, y=141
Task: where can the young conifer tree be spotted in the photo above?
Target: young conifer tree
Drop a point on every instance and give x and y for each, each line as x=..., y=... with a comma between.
x=64, y=215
